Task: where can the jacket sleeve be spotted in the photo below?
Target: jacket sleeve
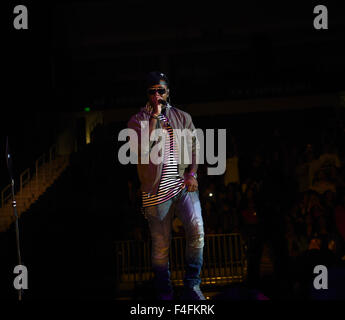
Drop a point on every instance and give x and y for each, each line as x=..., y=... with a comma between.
x=193, y=167
x=140, y=125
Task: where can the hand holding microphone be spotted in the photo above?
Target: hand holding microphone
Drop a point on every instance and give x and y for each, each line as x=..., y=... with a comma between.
x=156, y=106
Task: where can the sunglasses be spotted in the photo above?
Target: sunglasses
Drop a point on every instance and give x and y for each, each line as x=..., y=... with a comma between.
x=153, y=91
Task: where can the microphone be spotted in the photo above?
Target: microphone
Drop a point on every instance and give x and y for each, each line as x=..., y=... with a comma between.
x=163, y=102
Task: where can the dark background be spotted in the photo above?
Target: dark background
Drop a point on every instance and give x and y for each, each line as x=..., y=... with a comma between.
x=96, y=54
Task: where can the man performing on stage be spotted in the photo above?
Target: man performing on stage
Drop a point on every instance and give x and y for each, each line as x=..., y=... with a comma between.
x=169, y=188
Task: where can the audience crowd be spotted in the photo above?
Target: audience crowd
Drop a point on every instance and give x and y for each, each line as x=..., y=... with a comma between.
x=285, y=194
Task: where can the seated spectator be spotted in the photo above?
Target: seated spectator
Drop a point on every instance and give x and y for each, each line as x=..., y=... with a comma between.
x=252, y=233
x=232, y=174
x=340, y=216
x=225, y=218
x=329, y=158
x=249, y=214
x=297, y=244
x=322, y=183
x=336, y=177
x=315, y=215
x=210, y=217
x=226, y=204
x=302, y=175
x=233, y=196
x=329, y=202
x=312, y=162
x=248, y=207
x=257, y=169
x=296, y=231
x=315, y=208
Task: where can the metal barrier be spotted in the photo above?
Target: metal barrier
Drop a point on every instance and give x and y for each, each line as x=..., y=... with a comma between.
x=224, y=260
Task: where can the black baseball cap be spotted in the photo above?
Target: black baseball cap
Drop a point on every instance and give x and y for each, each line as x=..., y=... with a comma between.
x=155, y=77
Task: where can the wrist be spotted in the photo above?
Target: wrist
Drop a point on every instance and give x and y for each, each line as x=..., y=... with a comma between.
x=191, y=174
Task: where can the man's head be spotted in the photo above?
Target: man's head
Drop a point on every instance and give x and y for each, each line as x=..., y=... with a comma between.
x=157, y=85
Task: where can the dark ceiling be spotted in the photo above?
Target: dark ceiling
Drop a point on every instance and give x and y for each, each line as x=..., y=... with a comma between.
x=96, y=53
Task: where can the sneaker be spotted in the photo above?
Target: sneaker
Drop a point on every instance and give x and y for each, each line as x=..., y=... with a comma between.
x=193, y=293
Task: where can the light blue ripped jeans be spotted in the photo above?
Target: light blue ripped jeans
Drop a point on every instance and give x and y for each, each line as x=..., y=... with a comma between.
x=186, y=206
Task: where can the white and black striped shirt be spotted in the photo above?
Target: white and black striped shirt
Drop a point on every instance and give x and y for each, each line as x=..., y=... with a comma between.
x=171, y=183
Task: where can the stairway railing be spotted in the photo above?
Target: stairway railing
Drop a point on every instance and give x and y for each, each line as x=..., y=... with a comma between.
x=26, y=176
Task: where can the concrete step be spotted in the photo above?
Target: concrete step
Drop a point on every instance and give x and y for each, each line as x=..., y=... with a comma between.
x=31, y=192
